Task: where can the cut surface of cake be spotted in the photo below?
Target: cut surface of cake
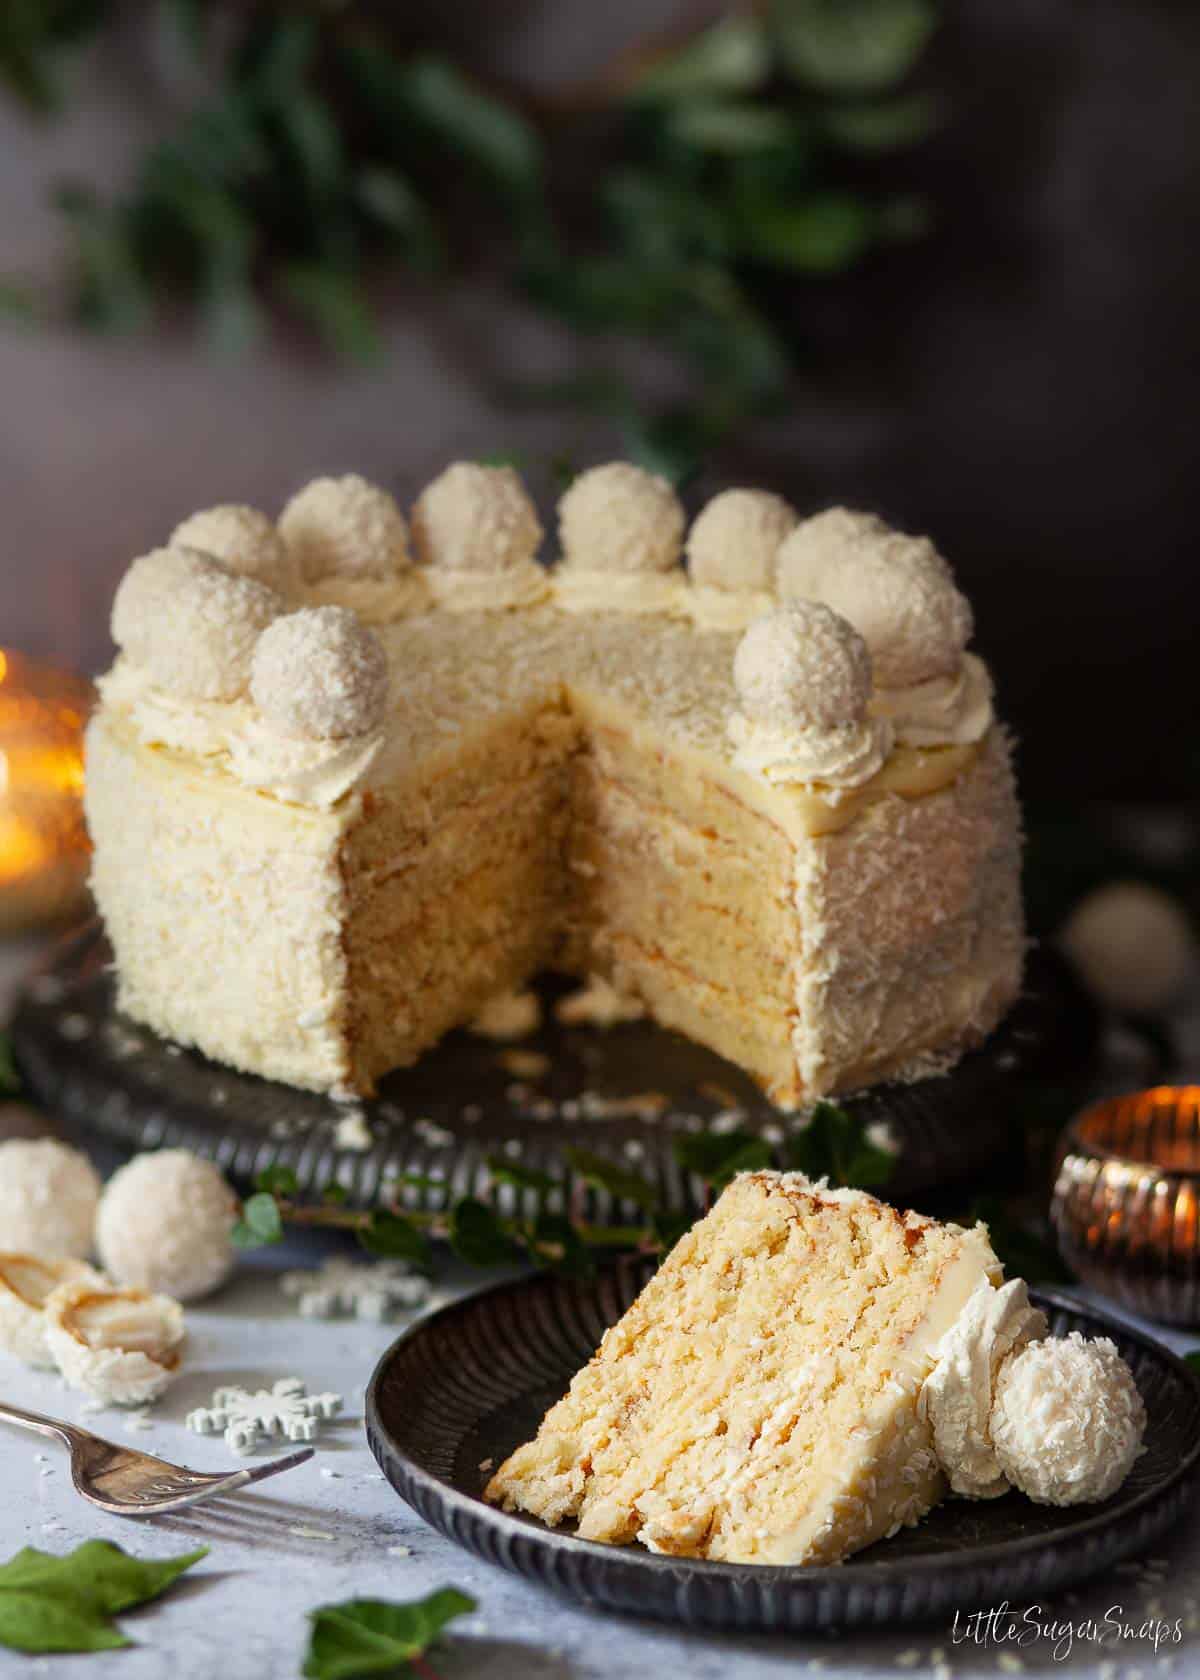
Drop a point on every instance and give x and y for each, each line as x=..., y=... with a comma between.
x=811, y=1370
x=325, y=837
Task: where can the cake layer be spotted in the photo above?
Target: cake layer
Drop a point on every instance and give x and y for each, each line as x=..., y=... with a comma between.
x=758, y=1402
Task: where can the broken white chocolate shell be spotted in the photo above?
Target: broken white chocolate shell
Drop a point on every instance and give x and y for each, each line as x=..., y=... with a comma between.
x=122, y=1346
x=26, y=1283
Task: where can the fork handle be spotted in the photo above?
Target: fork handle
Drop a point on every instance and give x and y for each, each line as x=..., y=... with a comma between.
x=43, y=1425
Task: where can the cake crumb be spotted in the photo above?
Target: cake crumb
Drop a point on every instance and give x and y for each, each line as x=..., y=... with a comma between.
x=598, y=1003
x=525, y=1064
x=509, y=1016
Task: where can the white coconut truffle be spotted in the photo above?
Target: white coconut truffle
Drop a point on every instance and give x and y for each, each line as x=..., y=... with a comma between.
x=321, y=675
x=1067, y=1421
x=121, y=1346
x=190, y=623
x=733, y=543
x=896, y=590
x=1133, y=945
x=165, y=1224
x=474, y=518
x=345, y=527
x=618, y=518
x=802, y=667
x=48, y=1199
x=243, y=538
x=26, y=1283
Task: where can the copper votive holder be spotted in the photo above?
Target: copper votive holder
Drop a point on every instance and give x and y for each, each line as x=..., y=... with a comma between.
x=1126, y=1204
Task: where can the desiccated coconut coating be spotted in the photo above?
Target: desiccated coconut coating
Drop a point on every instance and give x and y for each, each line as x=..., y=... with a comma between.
x=320, y=674
x=1067, y=1420
x=48, y=1198
x=165, y=1224
x=345, y=527
x=190, y=623
x=735, y=538
x=802, y=665
x=896, y=590
x=476, y=519
x=242, y=538
x=617, y=518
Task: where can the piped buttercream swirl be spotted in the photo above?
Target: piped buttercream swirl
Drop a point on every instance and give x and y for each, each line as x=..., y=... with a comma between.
x=461, y=589
x=835, y=760
x=586, y=589
x=942, y=712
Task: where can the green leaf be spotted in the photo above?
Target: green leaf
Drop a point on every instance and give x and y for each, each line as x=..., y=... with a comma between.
x=505, y=1171
x=669, y=1228
x=372, y=1636
x=852, y=46
x=335, y=1195
x=334, y=303
x=835, y=1145
x=474, y=128
x=50, y=1603
x=314, y=144
x=819, y=234
x=276, y=53
x=260, y=1223
x=392, y=203
x=604, y=1174
x=731, y=57
x=716, y=1157
x=278, y=1181
x=10, y=1079
x=733, y=127
x=392, y=1237
x=477, y=1235
x=672, y=445
x=1193, y=1359
x=882, y=124
x=110, y=289
x=232, y=317
x=556, y=1243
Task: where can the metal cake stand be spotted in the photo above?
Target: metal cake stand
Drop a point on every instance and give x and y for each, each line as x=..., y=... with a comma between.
x=624, y=1093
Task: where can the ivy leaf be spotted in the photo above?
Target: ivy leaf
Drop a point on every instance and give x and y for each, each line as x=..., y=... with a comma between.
x=367, y=1636
x=333, y=302
x=110, y=291
x=1193, y=1359
x=477, y=1235
x=392, y=1237
x=882, y=124
x=474, y=127
x=819, y=234
x=621, y=1184
x=505, y=1171
x=733, y=127
x=389, y=200
x=260, y=1223
x=556, y=1243
x=277, y=1181
x=835, y=1145
x=669, y=1228
x=10, y=1079
x=716, y=1157
x=731, y=57
x=850, y=46
x=50, y=1603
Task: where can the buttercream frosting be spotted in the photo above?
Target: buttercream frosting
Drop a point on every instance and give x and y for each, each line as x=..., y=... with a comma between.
x=830, y=760
x=464, y=589
x=716, y=608
x=587, y=589
x=375, y=600
x=953, y=710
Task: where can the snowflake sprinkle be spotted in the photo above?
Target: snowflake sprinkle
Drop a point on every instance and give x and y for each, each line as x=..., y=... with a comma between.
x=245, y=1419
x=372, y=1292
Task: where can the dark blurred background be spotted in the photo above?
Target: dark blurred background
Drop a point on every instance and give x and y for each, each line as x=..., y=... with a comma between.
x=1006, y=356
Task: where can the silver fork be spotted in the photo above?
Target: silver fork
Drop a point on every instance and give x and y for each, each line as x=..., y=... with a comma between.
x=132, y=1484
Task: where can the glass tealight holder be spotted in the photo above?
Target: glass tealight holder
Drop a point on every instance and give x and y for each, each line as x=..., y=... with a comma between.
x=43, y=842
x=1126, y=1206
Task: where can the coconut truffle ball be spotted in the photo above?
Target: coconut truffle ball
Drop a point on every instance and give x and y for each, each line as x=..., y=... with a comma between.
x=1133, y=945
x=617, y=518
x=165, y=1224
x=190, y=623
x=1067, y=1420
x=476, y=519
x=242, y=538
x=802, y=667
x=734, y=541
x=320, y=675
x=121, y=1346
x=896, y=590
x=48, y=1199
x=345, y=527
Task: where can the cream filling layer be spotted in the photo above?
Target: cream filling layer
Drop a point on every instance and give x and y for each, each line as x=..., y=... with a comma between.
x=580, y=589
x=942, y=712
x=830, y=761
x=957, y=1394
x=460, y=590
x=727, y=609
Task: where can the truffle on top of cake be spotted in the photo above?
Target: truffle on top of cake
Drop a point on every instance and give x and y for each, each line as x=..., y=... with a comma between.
x=349, y=544
x=621, y=535
x=803, y=680
x=243, y=539
x=732, y=548
x=900, y=595
x=477, y=535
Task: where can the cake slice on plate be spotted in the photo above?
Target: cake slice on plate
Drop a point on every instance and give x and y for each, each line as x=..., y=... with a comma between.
x=777, y=1394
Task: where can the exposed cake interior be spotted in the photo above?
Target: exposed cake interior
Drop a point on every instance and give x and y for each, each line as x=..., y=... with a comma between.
x=758, y=1401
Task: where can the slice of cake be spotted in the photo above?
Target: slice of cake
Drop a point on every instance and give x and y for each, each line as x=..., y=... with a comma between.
x=340, y=801
x=808, y=1372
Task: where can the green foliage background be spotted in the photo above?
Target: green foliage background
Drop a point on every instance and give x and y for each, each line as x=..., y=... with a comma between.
x=687, y=196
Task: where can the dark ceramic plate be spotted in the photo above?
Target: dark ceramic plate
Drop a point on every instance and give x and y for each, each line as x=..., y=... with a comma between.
x=472, y=1382
x=624, y=1093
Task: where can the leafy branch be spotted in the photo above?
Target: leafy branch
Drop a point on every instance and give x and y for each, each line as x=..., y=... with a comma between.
x=554, y=1232
x=50, y=1603
x=726, y=172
